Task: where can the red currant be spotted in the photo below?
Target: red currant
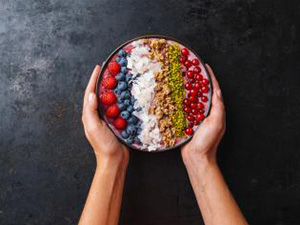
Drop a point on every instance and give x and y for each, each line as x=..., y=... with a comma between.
x=200, y=117
x=200, y=94
x=193, y=98
x=182, y=59
x=194, y=105
x=205, y=82
x=194, y=111
x=187, y=101
x=204, y=99
x=190, y=118
x=188, y=86
x=188, y=63
x=204, y=89
x=189, y=131
x=185, y=52
x=197, y=69
x=187, y=110
x=193, y=92
x=195, y=62
x=197, y=85
x=190, y=74
x=196, y=123
x=199, y=77
x=200, y=105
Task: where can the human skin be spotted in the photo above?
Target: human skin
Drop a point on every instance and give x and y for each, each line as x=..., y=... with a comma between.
x=103, y=204
x=215, y=200
x=199, y=156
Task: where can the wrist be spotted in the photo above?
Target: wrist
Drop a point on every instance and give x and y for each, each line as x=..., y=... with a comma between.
x=112, y=162
x=199, y=161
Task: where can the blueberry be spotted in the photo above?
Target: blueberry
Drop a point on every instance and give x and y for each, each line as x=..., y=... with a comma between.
x=122, y=86
x=139, y=109
x=122, y=53
x=120, y=76
x=118, y=59
x=129, y=140
x=133, y=119
x=127, y=102
x=124, y=134
x=128, y=77
x=125, y=95
x=124, y=69
x=120, y=100
x=139, y=130
x=122, y=106
x=130, y=109
x=125, y=115
x=137, y=140
x=132, y=100
x=131, y=130
x=123, y=62
x=139, y=124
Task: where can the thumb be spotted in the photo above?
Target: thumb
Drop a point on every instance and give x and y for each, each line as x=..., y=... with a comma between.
x=91, y=112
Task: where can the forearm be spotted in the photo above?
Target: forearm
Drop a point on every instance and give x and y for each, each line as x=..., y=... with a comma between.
x=216, y=203
x=105, y=196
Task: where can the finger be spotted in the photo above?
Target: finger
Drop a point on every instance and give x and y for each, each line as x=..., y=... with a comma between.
x=92, y=84
x=217, y=100
x=92, y=121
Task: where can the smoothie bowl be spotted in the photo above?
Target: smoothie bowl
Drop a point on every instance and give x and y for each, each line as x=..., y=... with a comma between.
x=153, y=93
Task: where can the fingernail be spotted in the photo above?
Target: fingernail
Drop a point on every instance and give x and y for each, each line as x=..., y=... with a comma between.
x=91, y=96
x=219, y=94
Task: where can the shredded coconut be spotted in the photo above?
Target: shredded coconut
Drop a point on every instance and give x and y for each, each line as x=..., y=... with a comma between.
x=143, y=91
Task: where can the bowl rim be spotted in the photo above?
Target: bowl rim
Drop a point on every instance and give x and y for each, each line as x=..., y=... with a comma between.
x=104, y=65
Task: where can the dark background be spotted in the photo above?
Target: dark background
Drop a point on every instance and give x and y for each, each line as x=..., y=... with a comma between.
x=48, y=48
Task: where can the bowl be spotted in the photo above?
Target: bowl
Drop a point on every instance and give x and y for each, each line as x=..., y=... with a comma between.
x=131, y=80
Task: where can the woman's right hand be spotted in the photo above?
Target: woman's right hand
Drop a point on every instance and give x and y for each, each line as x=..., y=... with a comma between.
x=207, y=138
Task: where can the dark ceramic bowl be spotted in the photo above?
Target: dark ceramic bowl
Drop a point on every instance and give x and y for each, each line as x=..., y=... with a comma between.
x=104, y=66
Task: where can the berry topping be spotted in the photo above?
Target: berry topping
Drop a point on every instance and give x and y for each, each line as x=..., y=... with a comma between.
x=199, y=77
x=197, y=69
x=205, y=82
x=120, y=123
x=194, y=105
x=204, y=99
x=193, y=92
x=109, y=82
x=197, y=85
x=193, y=98
x=112, y=111
x=187, y=109
x=199, y=117
x=114, y=68
x=182, y=59
x=194, y=111
x=204, y=89
x=188, y=86
x=190, y=74
x=189, y=131
x=200, y=105
x=188, y=63
x=195, y=62
x=190, y=118
x=187, y=101
x=108, y=98
x=185, y=52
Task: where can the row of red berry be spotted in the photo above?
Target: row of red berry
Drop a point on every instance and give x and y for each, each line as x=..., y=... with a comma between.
x=108, y=97
x=196, y=87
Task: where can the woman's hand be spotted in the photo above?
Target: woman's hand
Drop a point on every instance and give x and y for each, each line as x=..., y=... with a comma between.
x=207, y=138
x=103, y=141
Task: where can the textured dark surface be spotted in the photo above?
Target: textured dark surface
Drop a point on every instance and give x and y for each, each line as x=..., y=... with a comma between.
x=48, y=48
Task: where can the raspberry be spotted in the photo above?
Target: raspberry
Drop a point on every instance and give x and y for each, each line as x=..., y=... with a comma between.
x=109, y=82
x=114, y=68
x=108, y=98
x=120, y=123
x=112, y=111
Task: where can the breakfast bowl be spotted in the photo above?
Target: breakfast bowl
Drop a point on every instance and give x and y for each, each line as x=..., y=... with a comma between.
x=154, y=92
